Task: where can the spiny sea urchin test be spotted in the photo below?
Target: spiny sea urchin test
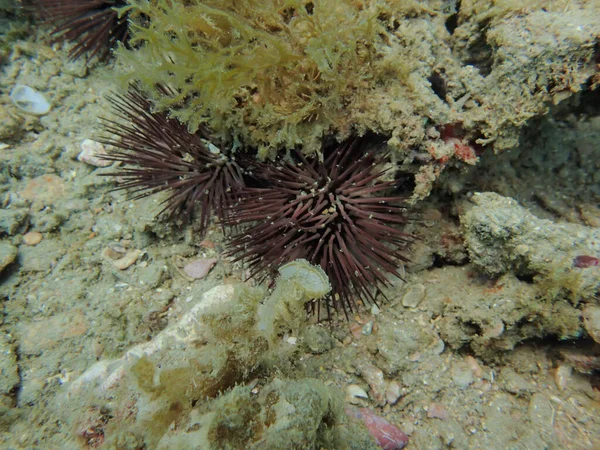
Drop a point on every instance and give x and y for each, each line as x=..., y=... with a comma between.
x=160, y=154
x=94, y=27
x=337, y=213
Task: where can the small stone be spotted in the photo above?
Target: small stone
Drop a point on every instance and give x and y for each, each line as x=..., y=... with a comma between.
x=392, y=392
x=356, y=330
x=474, y=365
x=207, y=244
x=432, y=214
x=591, y=321
x=584, y=261
x=93, y=153
x=413, y=296
x=562, y=374
x=32, y=238
x=367, y=328
x=114, y=251
x=462, y=376
x=8, y=254
x=437, y=411
x=415, y=357
x=125, y=261
x=199, y=269
x=374, y=377
x=128, y=260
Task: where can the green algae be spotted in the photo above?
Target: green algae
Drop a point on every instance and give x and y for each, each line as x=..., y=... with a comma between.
x=278, y=72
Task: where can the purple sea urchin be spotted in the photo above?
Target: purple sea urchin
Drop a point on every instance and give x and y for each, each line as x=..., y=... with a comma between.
x=334, y=213
x=160, y=154
x=94, y=26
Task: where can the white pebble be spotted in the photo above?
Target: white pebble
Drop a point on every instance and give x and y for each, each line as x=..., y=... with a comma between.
x=591, y=321
x=392, y=392
x=367, y=328
x=123, y=262
x=199, y=269
x=562, y=375
x=92, y=153
x=414, y=295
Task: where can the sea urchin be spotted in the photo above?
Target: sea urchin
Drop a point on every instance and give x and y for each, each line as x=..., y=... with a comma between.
x=337, y=213
x=160, y=154
x=94, y=26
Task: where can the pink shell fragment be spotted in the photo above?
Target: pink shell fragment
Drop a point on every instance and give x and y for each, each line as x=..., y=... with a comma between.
x=583, y=261
x=437, y=411
x=388, y=436
x=199, y=269
x=93, y=153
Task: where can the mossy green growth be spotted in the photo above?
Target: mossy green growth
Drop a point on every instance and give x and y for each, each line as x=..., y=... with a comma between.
x=273, y=74
x=285, y=414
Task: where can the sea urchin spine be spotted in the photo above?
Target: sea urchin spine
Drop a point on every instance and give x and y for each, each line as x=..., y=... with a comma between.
x=160, y=154
x=333, y=213
x=94, y=27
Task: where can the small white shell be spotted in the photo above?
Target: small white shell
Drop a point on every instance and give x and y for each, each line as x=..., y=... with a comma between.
x=313, y=279
x=354, y=392
x=29, y=100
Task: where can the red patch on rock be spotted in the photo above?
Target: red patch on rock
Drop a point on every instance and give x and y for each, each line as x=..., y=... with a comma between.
x=583, y=261
x=388, y=436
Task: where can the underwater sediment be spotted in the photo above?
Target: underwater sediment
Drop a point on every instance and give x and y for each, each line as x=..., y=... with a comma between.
x=479, y=122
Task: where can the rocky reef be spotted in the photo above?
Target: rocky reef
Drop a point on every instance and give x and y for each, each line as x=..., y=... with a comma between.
x=443, y=80
x=121, y=330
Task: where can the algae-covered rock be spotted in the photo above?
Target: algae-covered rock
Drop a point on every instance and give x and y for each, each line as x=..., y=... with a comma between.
x=284, y=414
x=502, y=236
x=430, y=75
x=215, y=346
x=280, y=74
x=537, y=290
x=497, y=318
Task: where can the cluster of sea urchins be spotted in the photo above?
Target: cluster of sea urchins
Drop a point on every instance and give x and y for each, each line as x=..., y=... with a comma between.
x=335, y=212
x=332, y=209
